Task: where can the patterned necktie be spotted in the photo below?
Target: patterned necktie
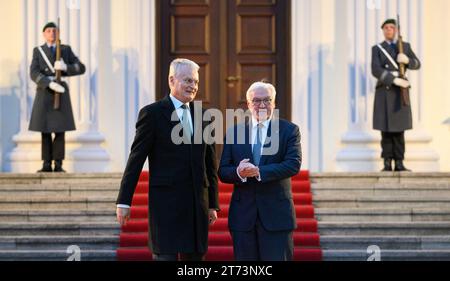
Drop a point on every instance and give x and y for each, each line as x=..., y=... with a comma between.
x=185, y=121
x=257, y=146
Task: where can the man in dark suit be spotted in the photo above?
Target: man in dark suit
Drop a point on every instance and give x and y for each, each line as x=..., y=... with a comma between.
x=390, y=116
x=262, y=216
x=183, y=195
x=44, y=118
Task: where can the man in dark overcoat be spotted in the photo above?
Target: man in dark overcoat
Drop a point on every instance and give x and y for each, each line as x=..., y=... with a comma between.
x=44, y=118
x=183, y=183
x=390, y=115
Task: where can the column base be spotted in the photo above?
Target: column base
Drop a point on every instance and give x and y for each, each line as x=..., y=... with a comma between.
x=447, y=122
x=84, y=153
x=362, y=152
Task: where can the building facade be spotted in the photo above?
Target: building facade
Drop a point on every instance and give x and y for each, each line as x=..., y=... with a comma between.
x=317, y=53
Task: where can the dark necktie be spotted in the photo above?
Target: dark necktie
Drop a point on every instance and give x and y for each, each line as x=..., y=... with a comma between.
x=257, y=146
x=394, y=48
x=52, y=49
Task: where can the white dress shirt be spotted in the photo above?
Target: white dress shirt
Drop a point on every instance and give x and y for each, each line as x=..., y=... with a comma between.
x=253, y=134
x=177, y=104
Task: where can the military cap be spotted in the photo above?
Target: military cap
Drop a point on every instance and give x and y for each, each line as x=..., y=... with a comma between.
x=389, y=21
x=49, y=25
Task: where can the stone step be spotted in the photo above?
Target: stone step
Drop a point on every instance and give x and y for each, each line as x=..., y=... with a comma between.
x=28, y=202
x=384, y=228
x=387, y=255
x=112, y=190
x=382, y=214
x=414, y=242
x=59, y=228
x=345, y=201
x=56, y=255
x=61, y=190
x=361, y=191
x=58, y=242
x=57, y=215
x=352, y=184
x=372, y=178
x=49, y=179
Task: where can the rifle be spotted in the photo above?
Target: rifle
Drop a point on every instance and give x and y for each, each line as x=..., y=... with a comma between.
x=57, y=96
x=404, y=92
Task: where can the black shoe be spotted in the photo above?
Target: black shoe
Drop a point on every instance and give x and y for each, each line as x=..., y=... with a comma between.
x=387, y=165
x=399, y=167
x=46, y=167
x=58, y=167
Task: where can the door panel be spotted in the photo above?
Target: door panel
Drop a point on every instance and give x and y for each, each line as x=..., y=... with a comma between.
x=189, y=29
x=258, y=49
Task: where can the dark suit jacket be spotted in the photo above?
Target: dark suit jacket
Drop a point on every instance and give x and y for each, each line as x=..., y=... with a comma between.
x=271, y=198
x=183, y=181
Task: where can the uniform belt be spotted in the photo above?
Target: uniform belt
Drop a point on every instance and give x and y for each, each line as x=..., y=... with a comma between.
x=397, y=74
x=53, y=78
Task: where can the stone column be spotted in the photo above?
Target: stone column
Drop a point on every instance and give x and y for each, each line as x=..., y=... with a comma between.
x=361, y=144
x=301, y=36
x=308, y=21
x=79, y=28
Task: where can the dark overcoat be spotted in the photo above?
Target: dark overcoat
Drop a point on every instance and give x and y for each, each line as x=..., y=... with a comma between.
x=389, y=114
x=43, y=117
x=182, y=184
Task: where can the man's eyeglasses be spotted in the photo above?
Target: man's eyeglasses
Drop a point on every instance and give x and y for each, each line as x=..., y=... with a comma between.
x=190, y=81
x=265, y=101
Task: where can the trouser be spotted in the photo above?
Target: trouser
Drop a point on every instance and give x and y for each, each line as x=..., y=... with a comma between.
x=181, y=257
x=259, y=244
x=53, y=149
x=393, y=145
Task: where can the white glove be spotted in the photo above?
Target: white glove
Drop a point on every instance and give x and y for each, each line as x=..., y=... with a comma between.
x=56, y=87
x=403, y=59
x=60, y=65
x=401, y=82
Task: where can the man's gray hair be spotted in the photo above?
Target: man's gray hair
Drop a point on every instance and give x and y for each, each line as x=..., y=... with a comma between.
x=177, y=64
x=262, y=85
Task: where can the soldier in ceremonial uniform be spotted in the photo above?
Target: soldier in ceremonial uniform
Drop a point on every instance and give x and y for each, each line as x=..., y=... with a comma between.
x=44, y=118
x=390, y=115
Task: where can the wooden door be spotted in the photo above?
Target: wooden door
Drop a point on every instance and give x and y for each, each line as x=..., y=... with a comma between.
x=235, y=42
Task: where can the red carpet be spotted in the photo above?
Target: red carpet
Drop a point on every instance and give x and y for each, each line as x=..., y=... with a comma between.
x=134, y=236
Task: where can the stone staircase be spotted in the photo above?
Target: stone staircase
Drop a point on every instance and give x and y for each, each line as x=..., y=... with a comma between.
x=41, y=215
x=405, y=215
